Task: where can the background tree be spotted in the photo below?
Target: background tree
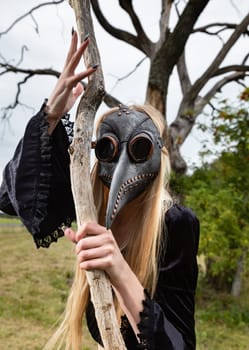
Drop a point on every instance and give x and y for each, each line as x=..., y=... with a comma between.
x=178, y=23
x=218, y=192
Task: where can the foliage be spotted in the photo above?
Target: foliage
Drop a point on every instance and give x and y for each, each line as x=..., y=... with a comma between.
x=222, y=307
x=218, y=193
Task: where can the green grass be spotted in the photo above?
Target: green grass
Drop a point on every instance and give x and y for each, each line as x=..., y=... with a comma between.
x=6, y=220
x=222, y=322
x=34, y=285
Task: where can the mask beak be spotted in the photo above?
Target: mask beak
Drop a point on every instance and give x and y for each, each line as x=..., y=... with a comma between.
x=126, y=184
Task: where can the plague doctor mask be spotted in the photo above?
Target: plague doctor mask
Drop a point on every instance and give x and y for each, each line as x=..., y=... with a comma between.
x=128, y=148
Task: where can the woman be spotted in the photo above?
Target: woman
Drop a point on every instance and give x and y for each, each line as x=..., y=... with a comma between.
x=145, y=244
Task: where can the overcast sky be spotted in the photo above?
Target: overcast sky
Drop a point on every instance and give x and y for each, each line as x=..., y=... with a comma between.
x=47, y=49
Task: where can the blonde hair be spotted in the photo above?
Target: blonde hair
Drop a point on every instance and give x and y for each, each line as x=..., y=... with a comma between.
x=146, y=218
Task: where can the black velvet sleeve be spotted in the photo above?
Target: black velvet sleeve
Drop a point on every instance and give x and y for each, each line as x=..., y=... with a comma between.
x=167, y=320
x=36, y=182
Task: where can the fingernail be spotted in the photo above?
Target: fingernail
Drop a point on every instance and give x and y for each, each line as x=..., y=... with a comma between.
x=86, y=37
x=95, y=66
x=72, y=30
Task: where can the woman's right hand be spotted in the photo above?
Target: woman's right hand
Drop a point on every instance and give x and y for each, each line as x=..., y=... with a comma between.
x=68, y=87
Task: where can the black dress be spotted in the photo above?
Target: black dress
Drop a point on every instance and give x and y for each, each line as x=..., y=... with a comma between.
x=36, y=187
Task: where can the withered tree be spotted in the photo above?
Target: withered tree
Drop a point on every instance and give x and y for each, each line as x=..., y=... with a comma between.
x=164, y=55
x=167, y=53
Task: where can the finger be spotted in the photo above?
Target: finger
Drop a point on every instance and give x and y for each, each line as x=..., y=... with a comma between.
x=98, y=264
x=70, y=234
x=72, y=81
x=95, y=253
x=92, y=242
x=78, y=90
x=90, y=228
x=72, y=48
x=77, y=56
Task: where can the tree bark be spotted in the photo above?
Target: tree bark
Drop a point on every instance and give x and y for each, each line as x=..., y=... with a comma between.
x=169, y=53
x=100, y=287
x=166, y=57
x=140, y=41
x=237, y=281
x=192, y=103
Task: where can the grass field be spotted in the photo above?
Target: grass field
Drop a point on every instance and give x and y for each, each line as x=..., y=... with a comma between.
x=34, y=286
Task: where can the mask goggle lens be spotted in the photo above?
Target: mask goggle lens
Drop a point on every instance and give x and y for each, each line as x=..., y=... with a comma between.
x=140, y=148
x=106, y=149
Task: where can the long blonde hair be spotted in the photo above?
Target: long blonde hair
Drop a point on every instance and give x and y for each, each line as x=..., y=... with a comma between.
x=146, y=225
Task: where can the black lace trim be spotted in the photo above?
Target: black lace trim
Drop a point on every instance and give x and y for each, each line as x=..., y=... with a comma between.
x=125, y=326
x=68, y=125
x=43, y=186
x=47, y=240
x=146, y=324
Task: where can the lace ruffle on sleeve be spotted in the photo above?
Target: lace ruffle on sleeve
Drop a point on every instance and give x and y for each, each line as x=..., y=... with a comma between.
x=36, y=182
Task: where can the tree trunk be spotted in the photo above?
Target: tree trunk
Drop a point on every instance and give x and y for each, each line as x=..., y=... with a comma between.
x=163, y=62
x=100, y=287
x=237, y=281
x=156, y=98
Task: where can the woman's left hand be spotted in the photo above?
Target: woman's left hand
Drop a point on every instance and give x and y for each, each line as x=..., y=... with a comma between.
x=96, y=248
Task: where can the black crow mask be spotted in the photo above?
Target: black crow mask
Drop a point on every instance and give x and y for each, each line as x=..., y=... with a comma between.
x=128, y=148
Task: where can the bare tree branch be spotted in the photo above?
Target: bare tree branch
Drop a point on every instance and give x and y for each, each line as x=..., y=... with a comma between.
x=29, y=73
x=3, y=58
x=231, y=68
x=19, y=84
x=23, y=49
x=168, y=55
x=7, y=111
x=128, y=7
x=182, y=70
x=108, y=99
x=111, y=101
x=201, y=82
x=8, y=68
x=182, y=31
x=118, y=33
x=192, y=104
x=213, y=109
x=201, y=102
x=130, y=73
x=183, y=124
x=164, y=21
x=145, y=41
x=217, y=87
x=176, y=8
x=30, y=13
x=100, y=286
x=245, y=59
x=35, y=23
x=222, y=26
x=164, y=55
